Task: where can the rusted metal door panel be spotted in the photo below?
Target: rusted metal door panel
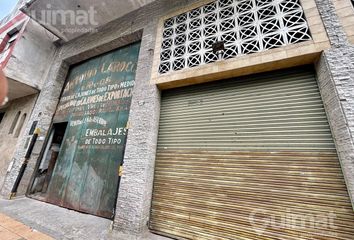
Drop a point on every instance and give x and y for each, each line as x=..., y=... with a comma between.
x=249, y=158
x=96, y=103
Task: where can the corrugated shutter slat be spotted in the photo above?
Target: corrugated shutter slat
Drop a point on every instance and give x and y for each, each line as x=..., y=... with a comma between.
x=259, y=143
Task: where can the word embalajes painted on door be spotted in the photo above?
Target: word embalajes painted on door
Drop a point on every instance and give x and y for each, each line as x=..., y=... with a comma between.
x=104, y=133
x=105, y=136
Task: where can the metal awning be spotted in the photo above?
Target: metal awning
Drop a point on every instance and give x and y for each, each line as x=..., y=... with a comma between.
x=68, y=19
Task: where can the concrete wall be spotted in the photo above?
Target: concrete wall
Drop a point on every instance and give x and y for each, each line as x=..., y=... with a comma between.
x=32, y=54
x=27, y=70
x=10, y=142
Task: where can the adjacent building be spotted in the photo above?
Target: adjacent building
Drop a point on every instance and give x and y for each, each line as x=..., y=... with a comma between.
x=209, y=119
x=26, y=52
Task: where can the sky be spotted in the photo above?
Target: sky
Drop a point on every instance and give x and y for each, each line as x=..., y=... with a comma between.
x=6, y=6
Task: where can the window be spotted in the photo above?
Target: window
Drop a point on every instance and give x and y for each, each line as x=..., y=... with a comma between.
x=245, y=27
x=12, y=35
x=49, y=159
x=14, y=123
x=20, y=125
x=10, y=39
x=2, y=114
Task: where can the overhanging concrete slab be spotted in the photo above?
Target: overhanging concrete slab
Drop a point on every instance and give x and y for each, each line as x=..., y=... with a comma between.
x=69, y=19
x=18, y=90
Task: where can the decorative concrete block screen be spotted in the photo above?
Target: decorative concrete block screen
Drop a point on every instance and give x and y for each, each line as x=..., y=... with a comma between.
x=245, y=26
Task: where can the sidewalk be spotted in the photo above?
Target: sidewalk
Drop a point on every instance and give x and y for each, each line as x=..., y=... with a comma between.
x=57, y=222
x=13, y=230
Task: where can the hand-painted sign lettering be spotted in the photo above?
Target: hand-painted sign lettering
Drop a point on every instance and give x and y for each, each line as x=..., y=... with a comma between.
x=95, y=103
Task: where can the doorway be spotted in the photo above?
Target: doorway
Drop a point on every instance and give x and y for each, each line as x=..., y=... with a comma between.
x=85, y=176
x=48, y=161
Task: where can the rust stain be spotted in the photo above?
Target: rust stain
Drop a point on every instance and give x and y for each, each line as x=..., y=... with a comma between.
x=214, y=195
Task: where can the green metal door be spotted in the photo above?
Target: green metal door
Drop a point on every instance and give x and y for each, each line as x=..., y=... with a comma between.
x=95, y=103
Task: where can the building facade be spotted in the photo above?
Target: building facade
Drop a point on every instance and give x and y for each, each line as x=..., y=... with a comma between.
x=26, y=50
x=223, y=119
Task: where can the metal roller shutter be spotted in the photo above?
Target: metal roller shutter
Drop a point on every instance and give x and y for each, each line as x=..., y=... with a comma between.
x=237, y=157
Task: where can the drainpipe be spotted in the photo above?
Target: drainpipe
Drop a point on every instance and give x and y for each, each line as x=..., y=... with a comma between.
x=24, y=164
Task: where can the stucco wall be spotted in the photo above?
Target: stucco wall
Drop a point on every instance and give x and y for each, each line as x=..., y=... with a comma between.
x=31, y=57
x=9, y=142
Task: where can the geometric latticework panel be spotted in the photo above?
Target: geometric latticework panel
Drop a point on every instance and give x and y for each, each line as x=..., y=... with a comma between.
x=245, y=27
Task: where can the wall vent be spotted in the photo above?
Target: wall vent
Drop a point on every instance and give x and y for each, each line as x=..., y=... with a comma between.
x=245, y=26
